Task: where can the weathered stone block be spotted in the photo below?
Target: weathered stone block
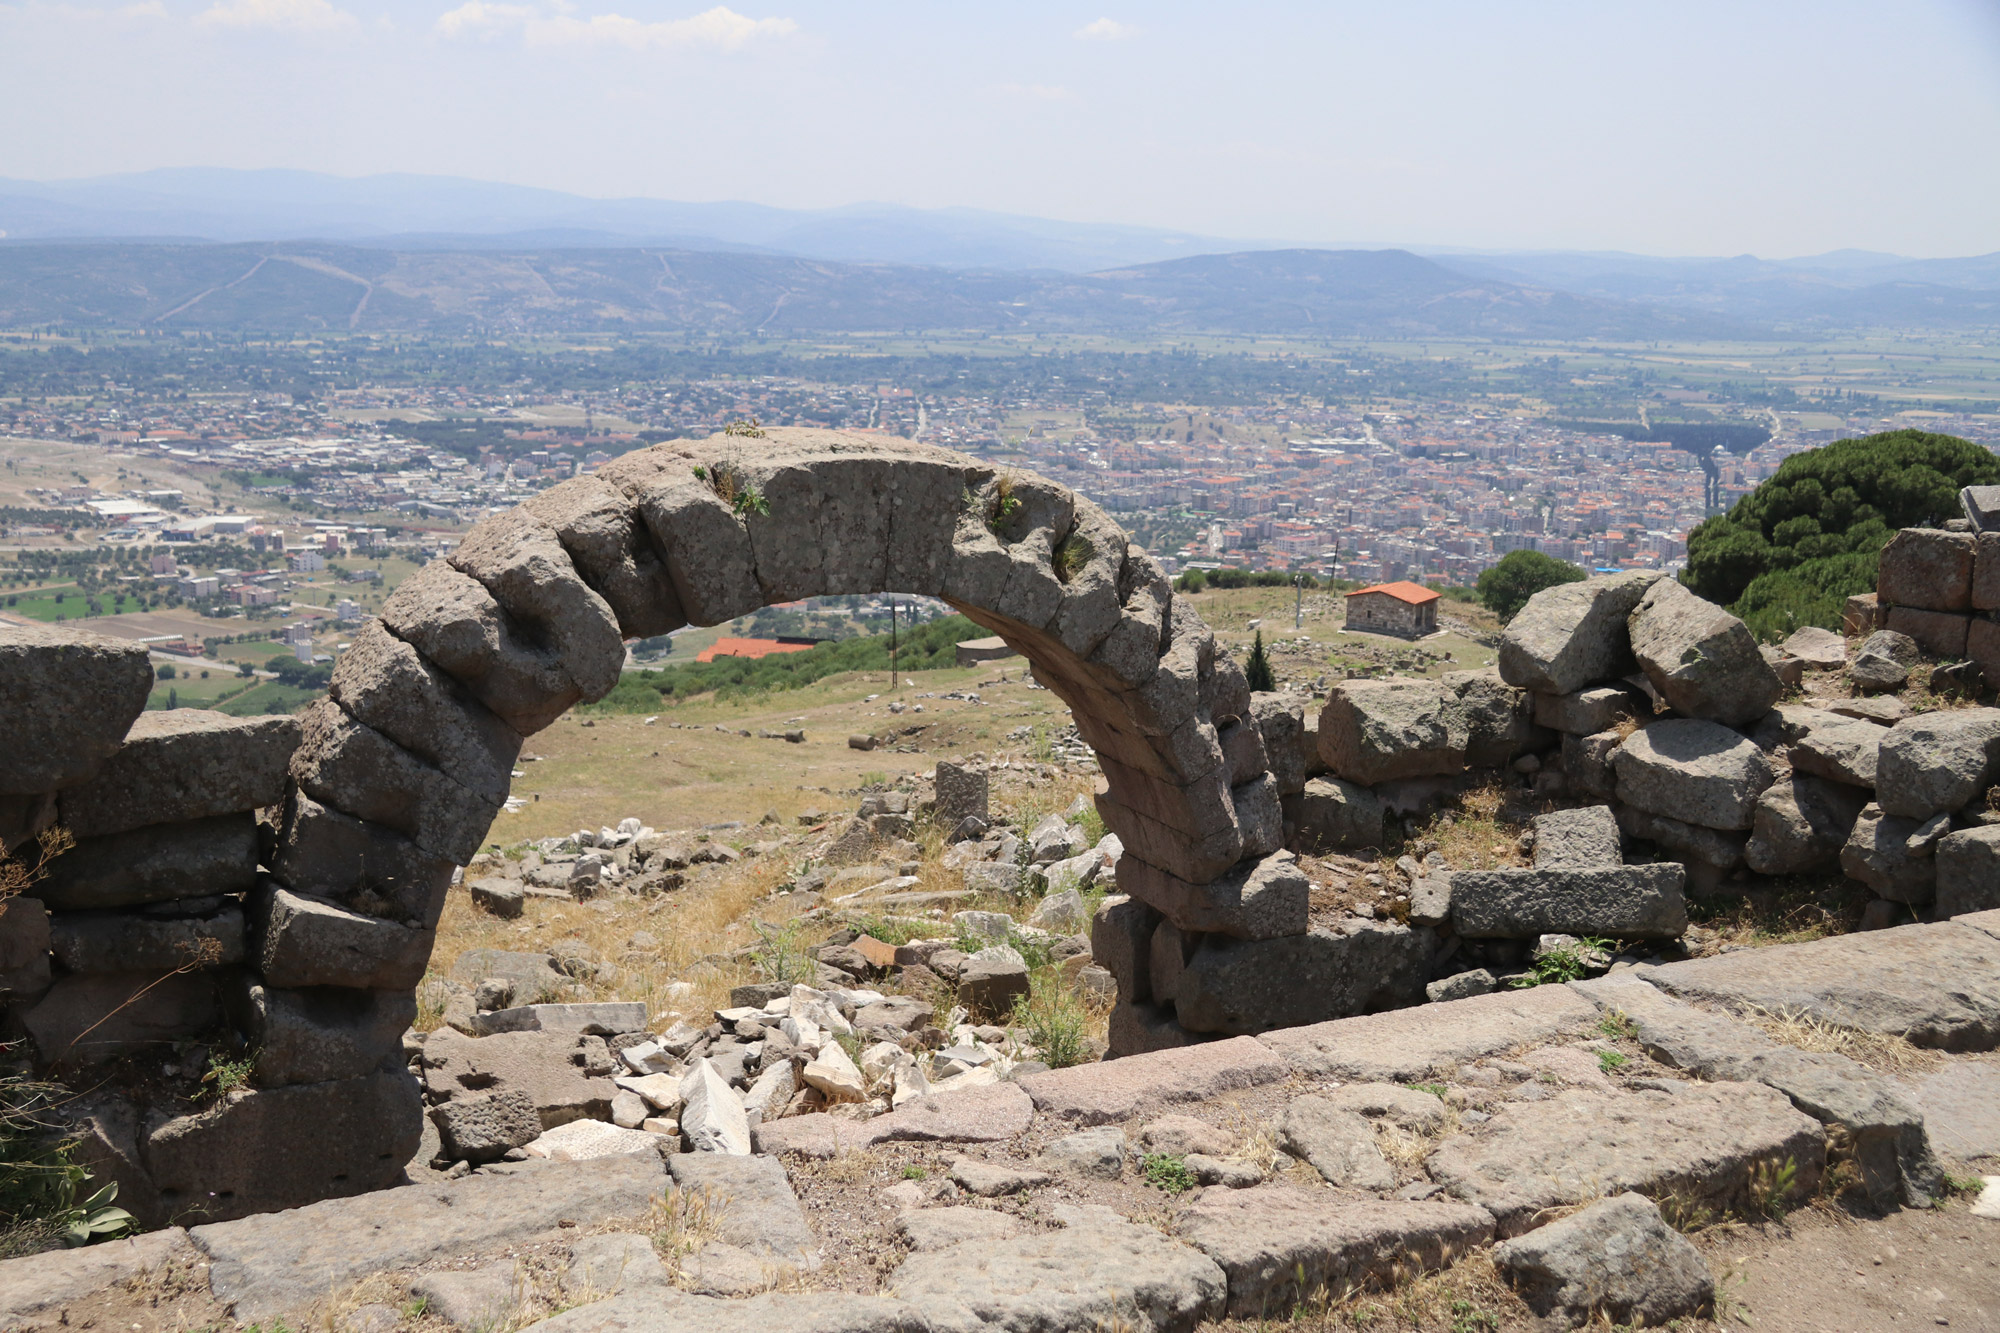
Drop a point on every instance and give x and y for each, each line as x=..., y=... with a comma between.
x=69, y=696
x=323, y=853
x=299, y=941
x=1586, y=711
x=154, y=864
x=1701, y=658
x=1617, y=1259
x=1280, y=721
x=456, y=623
x=1861, y=615
x=136, y=941
x=101, y=1016
x=612, y=550
x=1623, y=902
x=544, y=1065
x=24, y=948
x=181, y=764
x=1878, y=853
x=1828, y=745
x=1120, y=937
x=1246, y=986
x=1332, y=814
x=1279, y=1243
x=311, y=1036
x=1573, y=635
x=482, y=1129
x=1704, y=1140
x=1939, y=633
x=1374, y=731
x=284, y=1147
x=1581, y=839
x=1801, y=824
x=1927, y=568
x=1937, y=761
x=1260, y=820
x=1719, y=849
x=1499, y=718
x=386, y=685
x=358, y=770
x=1982, y=646
x=1968, y=871
x=1695, y=771
x=961, y=794
x=1883, y=661
x=522, y=563
x=1256, y=900
x=1586, y=763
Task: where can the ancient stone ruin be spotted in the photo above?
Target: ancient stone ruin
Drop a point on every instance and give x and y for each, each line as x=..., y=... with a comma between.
x=397, y=776
x=306, y=926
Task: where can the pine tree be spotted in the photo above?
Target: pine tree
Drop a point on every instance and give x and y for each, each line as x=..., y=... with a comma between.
x=1258, y=669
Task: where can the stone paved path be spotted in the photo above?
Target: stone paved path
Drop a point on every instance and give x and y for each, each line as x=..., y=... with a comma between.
x=1468, y=1121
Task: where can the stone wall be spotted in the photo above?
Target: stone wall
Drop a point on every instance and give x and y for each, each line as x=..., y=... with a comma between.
x=1654, y=712
x=153, y=945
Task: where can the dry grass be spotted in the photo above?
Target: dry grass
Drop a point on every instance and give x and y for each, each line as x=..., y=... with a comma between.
x=1887, y=1053
x=691, y=928
x=1469, y=1296
x=1796, y=909
x=683, y=1222
x=1482, y=833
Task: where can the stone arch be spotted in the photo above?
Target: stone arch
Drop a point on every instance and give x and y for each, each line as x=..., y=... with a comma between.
x=404, y=766
x=401, y=770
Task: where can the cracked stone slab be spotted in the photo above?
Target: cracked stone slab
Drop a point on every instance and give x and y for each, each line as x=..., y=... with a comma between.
x=1704, y=1141
x=1097, y=1271
x=1937, y=984
x=1114, y=1090
x=1961, y=1106
x=775, y=1312
x=1279, y=1242
x=39, y=1282
x=755, y=1208
x=971, y=1115
x=273, y=1263
x=941, y=1228
x=1885, y=1130
x=1408, y=1045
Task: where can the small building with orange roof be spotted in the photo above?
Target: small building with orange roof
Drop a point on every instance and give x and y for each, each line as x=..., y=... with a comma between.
x=1407, y=610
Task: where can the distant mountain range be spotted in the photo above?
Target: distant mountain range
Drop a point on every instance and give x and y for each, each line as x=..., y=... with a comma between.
x=295, y=287
x=292, y=250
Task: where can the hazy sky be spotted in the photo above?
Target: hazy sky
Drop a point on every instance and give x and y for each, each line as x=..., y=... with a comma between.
x=1679, y=127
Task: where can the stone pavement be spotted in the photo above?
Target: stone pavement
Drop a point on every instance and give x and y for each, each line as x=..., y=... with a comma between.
x=1466, y=1122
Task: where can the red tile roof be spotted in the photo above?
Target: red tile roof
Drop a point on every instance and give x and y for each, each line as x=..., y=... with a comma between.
x=748, y=648
x=1416, y=594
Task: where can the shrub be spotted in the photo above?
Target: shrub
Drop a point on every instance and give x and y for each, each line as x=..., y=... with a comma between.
x=1793, y=550
x=1506, y=588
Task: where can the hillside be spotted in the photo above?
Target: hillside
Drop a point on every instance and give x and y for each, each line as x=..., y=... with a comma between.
x=287, y=288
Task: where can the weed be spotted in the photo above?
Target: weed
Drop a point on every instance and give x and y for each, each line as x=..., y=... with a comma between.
x=18, y=875
x=415, y=1308
x=1469, y=1318
x=781, y=954
x=1770, y=1184
x=1610, y=1061
x=1566, y=964
x=739, y=494
x=751, y=428
x=1054, y=1019
x=1071, y=557
x=1168, y=1172
x=1436, y=1090
x=1684, y=1212
x=225, y=1076
x=914, y=1173
x=1618, y=1024
x=1006, y=504
x=891, y=930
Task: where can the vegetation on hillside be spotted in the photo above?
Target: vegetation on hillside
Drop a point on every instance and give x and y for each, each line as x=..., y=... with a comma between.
x=922, y=648
x=1519, y=575
x=1792, y=551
